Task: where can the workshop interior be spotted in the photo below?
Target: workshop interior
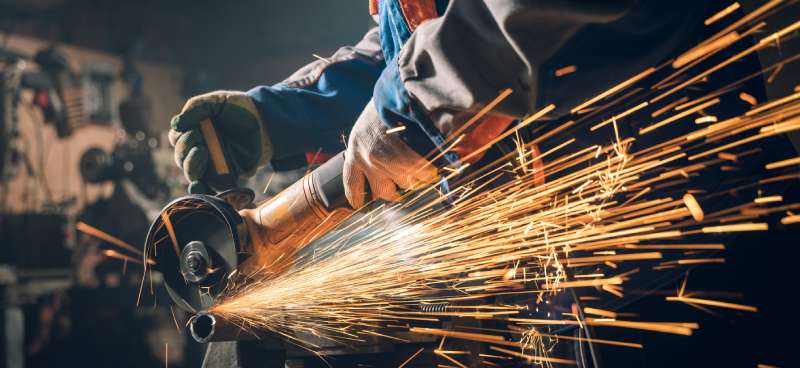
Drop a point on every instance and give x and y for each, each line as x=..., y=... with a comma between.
x=399, y=183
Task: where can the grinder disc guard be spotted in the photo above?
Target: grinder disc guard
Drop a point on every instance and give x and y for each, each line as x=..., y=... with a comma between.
x=197, y=267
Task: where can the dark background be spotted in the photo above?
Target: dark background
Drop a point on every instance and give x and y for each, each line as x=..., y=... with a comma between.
x=229, y=44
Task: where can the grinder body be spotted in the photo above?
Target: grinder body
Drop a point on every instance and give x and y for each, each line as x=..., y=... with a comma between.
x=214, y=238
x=280, y=226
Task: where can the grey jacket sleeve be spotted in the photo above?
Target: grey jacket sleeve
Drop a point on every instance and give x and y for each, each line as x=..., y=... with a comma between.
x=453, y=65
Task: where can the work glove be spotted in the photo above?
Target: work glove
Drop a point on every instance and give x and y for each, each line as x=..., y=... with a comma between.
x=239, y=128
x=381, y=159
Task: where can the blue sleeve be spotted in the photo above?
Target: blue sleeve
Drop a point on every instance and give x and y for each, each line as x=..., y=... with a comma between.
x=396, y=107
x=313, y=117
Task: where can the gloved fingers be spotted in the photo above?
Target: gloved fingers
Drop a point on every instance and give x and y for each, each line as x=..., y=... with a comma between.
x=184, y=143
x=408, y=169
x=381, y=187
x=353, y=179
x=194, y=165
x=198, y=187
x=424, y=172
x=412, y=175
x=240, y=114
x=173, y=136
x=195, y=111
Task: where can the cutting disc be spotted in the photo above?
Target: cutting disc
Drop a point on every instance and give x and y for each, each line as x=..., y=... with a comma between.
x=200, y=252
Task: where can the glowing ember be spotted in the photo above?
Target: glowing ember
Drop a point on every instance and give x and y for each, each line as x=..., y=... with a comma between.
x=503, y=246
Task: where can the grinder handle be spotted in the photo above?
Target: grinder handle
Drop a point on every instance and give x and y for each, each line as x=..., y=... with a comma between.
x=328, y=183
x=281, y=226
x=222, y=178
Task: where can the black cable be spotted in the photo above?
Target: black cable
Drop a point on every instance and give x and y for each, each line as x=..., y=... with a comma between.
x=595, y=361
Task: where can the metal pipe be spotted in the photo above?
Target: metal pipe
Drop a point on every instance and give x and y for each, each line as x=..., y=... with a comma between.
x=206, y=327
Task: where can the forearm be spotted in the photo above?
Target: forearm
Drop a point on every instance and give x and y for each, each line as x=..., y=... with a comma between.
x=320, y=101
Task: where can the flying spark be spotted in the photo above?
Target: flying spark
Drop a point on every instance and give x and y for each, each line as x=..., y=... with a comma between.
x=513, y=238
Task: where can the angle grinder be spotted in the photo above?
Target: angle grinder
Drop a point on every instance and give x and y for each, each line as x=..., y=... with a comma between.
x=202, y=242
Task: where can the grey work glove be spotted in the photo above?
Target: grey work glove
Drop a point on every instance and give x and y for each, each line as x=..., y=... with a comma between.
x=239, y=128
x=381, y=159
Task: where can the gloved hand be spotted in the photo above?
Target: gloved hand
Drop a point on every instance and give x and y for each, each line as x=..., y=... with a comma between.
x=239, y=128
x=381, y=159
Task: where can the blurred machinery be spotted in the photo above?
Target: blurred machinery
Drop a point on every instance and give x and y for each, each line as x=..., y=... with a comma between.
x=57, y=93
x=36, y=262
x=58, y=291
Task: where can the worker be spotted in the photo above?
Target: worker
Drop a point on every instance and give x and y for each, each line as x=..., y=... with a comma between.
x=428, y=66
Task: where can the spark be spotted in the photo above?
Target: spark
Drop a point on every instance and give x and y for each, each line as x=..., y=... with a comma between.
x=748, y=18
x=411, y=358
x=613, y=90
x=569, y=69
x=679, y=246
x=736, y=228
x=269, y=181
x=396, y=129
x=102, y=235
x=533, y=358
x=790, y=220
x=746, y=97
x=621, y=115
x=713, y=303
x=669, y=106
x=783, y=163
x=705, y=49
x=600, y=312
x=679, y=116
x=700, y=260
x=114, y=254
x=171, y=230
x=768, y=199
x=573, y=216
x=174, y=319
x=722, y=13
x=694, y=207
x=321, y=58
x=665, y=327
x=762, y=43
x=706, y=119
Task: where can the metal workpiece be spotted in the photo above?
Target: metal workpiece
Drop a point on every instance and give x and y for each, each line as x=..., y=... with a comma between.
x=207, y=327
